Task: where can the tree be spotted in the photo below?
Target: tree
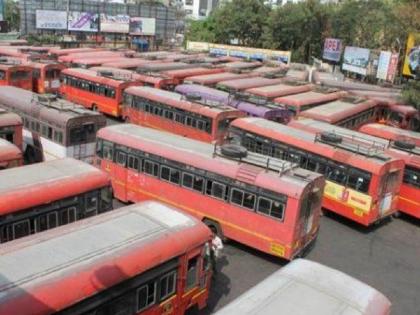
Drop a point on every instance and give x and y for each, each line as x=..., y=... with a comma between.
x=11, y=14
x=201, y=30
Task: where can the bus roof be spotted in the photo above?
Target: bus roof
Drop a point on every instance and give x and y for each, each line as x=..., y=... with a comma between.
x=39, y=183
x=336, y=111
x=282, y=89
x=305, y=140
x=405, y=109
x=67, y=51
x=127, y=63
x=309, y=98
x=8, y=151
x=88, y=62
x=43, y=64
x=208, y=79
x=131, y=75
x=301, y=75
x=56, y=111
x=9, y=119
x=308, y=288
x=184, y=73
x=92, y=255
x=164, y=66
x=259, y=110
x=11, y=66
x=179, y=101
x=242, y=64
x=95, y=77
x=88, y=55
x=390, y=133
x=292, y=182
x=246, y=83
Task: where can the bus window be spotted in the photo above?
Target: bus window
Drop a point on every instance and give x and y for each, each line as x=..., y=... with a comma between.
x=412, y=176
x=36, y=74
x=192, y=273
x=358, y=180
x=2, y=75
x=396, y=117
x=389, y=183
x=21, y=229
x=224, y=124
x=52, y=74
x=106, y=198
x=81, y=134
x=20, y=75
x=146, y=296
x=167, y=285
x=91, y=204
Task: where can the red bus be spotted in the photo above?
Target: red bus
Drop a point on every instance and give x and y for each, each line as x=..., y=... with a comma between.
x=57, y=52
x=152, y=67
x=233, y=86
x=241, y=65
x=94, y=91
x=71, y=58
x=362, y=182
x=16, y=75
x=86, y=63
x=348, y=112
x=46, y=195
x=405, y=145
x=46, y=76
x=169, y=111
x=10, y=155
x=179, y=75
x=391, y=133
x=128, y=64
x=297, y=103
x=211, y=80
x=297, y=289
x=267, y=204
x=270, y=92
x=11, y=128
x=141, y=259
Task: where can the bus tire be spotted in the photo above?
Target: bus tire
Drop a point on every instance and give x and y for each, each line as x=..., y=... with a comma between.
x=331, y=137
x=214, y=227
x=404, y=145
x=234, y=150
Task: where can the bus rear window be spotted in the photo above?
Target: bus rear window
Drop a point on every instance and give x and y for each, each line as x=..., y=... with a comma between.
x=82, y=134
x=52, y=74
x=20, y=75
x=390, y=183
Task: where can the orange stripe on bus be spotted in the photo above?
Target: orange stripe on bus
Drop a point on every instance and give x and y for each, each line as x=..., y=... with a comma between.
x=410, y=201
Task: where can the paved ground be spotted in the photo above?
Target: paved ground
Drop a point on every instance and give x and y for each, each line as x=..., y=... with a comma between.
x=387, y=257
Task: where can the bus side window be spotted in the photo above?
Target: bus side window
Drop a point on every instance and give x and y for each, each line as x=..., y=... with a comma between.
x=106, y=198
x=192, y=273
x=121, y=158
x=167, y=285
x=146, y=296
x=21, y=228
x=91, y=200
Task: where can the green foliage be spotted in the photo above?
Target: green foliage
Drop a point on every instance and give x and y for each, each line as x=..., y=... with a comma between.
x=46, y=39
x=303, y=26
x=411, y=93
x=11, y=14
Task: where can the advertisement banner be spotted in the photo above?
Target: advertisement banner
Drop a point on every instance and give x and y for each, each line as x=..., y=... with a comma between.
x=51, y=19
x=348, y=196
x=1, y=10
x=197, y=46
x=142, y=26
x=115, y=23
x=83, y=21
x=332, y=49
x=392, y=69
x=412, y=56
x=383, y=65
x=356, y=59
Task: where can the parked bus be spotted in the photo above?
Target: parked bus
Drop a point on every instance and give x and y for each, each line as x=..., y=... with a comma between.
x=46, y=195
x=403, y=116
x=297, y=289
x=241, y=65
x=265, y=110
x=86, y=63
x=405, y=144
x=57, y=52
x=391, y=133
x=168, y=111
x=270, y=92
x=268, y=204
x=141, y=259
x=211, y=80
x=53, y=128
x=233, y=86
x=10, y=155
x=179, y=75
x=362, y=183
x=11, y=127
x=72, y=58
x=94, y=91
x=298, y=72
x=128, y=64
x=16, y=74
x=348, y=112
x=297, y=103
x=46, y=76
x=164, y=66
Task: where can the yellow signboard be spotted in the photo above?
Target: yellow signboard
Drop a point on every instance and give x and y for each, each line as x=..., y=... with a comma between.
x=348, y=196
x=238, y=51
x=412, y=55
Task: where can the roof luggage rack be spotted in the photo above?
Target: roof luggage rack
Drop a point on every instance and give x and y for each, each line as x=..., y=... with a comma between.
x=196, y=98
x=353, y=144
x=253, y=99
x=406, y=145
x=238, y=153
x=52, y=101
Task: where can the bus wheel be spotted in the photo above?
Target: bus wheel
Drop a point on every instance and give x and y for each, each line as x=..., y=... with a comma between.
x=215, y=228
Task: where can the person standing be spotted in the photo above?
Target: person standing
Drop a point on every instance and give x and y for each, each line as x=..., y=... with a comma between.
x=216, y=250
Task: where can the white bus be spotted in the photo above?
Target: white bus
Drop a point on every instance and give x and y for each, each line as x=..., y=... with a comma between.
x=52, y=128
x=304, y=287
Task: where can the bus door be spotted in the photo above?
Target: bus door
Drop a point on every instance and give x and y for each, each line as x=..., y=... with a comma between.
x=133, y=176
x=388, y=189
x=119, y=173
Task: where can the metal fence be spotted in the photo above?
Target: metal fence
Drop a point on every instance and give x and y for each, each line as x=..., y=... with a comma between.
x=165, y=16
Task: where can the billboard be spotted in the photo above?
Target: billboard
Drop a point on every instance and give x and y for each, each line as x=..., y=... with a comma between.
x=412, y=56
x=51, y=19
x=387, y=66
x=1, y=10
x=332, y=49
x=356, y=59
x=142, y=26
x=115, y=23
x=83, y=21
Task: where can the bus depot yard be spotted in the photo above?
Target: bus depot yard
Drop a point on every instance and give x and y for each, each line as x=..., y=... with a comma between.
x=134, y=161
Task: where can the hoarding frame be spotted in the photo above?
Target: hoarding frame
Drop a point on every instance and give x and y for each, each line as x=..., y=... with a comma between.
x=83, y=19
x=51, y=20
x=356, y=59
